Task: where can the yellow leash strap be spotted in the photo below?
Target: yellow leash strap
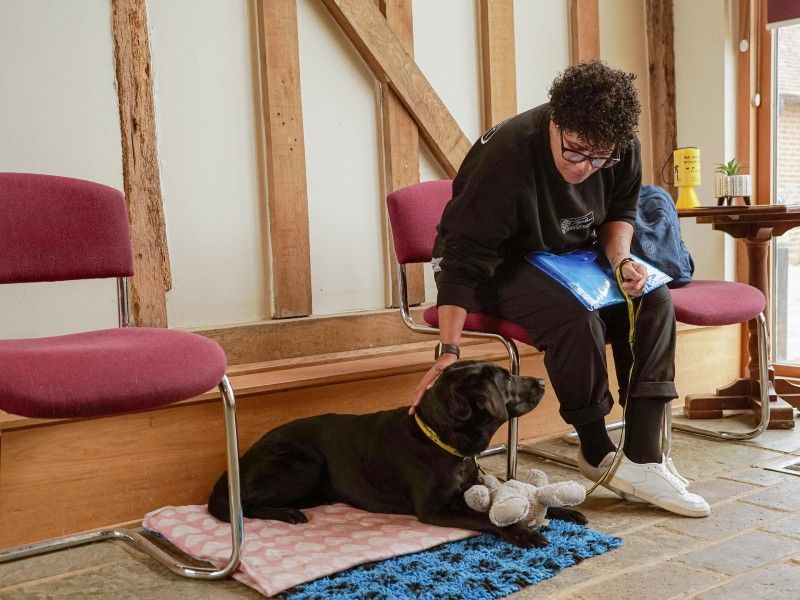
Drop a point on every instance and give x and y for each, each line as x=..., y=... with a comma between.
x=434, y=437
x=633, y=316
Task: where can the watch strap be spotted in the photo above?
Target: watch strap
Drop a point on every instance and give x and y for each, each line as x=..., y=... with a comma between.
x=447, y=348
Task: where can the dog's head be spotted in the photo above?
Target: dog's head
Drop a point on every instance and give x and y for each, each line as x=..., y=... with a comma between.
x=471, y=400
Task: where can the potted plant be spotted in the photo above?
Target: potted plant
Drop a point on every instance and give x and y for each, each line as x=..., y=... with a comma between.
x=729, y=184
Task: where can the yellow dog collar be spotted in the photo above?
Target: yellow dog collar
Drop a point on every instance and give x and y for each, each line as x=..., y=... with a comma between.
x=435, y=438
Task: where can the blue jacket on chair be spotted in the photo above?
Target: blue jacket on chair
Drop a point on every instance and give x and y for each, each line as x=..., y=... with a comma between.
x=657, y=235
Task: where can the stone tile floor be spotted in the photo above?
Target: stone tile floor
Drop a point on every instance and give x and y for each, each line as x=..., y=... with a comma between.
x=748, y=548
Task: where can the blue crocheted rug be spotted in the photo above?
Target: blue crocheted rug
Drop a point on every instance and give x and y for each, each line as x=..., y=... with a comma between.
x=477, y=568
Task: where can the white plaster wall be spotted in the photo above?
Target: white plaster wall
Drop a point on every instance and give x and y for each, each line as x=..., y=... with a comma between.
x=703, y=77
x=447, y=50
x=453, y=67
x=59, y=116
x=341, y=128
x=206, y=112
x=542, y=48
x=623, y=45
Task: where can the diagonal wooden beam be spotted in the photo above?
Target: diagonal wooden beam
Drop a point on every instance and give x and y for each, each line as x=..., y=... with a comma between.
x=498, y=61
x=142, y=182
x=661, y=57
x=400, y=151
x=286, y=166
x=584, y=30
x=369, y=32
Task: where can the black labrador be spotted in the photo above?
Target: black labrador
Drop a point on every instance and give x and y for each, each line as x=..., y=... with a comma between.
x=384, y=462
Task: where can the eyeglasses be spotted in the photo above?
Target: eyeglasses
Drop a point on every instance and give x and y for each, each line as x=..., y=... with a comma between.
x=597, y=162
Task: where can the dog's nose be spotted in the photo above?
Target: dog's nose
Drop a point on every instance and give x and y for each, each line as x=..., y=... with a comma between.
x=540, y=383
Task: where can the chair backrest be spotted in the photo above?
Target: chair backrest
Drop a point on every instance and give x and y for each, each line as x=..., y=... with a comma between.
x=59, y=228
x=414, y=213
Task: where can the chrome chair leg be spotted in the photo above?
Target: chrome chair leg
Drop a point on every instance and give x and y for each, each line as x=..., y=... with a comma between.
x=513, y=423
x=140, y=542
x=513, y=428
x=763, y=383
x=666, y=431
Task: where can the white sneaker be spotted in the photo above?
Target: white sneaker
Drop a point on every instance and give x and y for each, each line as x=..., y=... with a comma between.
x=595, y=473
x=667, y=460
x=654, y=483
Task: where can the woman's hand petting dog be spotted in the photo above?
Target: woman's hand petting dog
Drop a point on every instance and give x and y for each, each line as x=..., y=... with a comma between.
x=444, y=361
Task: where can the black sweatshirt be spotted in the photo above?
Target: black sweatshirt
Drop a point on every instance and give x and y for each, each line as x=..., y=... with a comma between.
x=509, y=199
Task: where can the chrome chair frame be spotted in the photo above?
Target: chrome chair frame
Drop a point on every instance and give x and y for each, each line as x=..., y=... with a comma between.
x=513, y=445
x=669, y=425
x=763, y=384
x=136, y=539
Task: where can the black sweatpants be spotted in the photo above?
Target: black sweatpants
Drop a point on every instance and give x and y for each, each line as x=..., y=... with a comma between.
x=573, y=340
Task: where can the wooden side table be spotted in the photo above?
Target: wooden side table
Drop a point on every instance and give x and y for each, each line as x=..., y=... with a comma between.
x=756, y=225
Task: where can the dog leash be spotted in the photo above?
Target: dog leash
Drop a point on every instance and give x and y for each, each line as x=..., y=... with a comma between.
x=434, y=437
x=633, y=316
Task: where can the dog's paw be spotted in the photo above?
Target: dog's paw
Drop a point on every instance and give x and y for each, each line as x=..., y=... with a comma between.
x=287, y=515
x=566, y=514
x=524, y=537
x=294, y=516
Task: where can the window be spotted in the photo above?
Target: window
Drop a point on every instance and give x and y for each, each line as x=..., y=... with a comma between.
x=786, y=264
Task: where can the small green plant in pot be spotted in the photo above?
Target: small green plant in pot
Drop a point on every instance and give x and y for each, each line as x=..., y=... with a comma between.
x=729, y=184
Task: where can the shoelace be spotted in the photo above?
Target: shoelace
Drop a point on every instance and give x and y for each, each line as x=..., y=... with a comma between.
x=669, y=476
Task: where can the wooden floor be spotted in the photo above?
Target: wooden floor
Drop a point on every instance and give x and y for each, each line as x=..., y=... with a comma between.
x=60, y=477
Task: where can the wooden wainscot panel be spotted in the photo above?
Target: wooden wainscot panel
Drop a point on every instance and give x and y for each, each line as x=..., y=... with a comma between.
x=293, y=338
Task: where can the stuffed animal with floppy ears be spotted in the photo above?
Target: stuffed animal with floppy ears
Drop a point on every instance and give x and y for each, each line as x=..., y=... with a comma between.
x=516, y=501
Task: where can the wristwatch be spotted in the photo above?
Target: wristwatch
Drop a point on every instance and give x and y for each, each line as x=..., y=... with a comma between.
x=449, y=348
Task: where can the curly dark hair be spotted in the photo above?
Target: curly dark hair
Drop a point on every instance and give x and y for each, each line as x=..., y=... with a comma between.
x=598, y=103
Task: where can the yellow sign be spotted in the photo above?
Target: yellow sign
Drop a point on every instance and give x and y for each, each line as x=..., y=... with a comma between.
x=687, y=176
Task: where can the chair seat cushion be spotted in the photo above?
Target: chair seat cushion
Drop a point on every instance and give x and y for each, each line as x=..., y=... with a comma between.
x=106, y=372
x=704, y=302
x=484, y=324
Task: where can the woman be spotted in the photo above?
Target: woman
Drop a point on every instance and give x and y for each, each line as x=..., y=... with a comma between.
x=562, y=176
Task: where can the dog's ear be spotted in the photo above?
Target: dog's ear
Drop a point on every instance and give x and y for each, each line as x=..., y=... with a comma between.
x=458, y=406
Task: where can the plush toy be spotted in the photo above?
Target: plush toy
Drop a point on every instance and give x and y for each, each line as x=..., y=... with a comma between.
x=519, y=502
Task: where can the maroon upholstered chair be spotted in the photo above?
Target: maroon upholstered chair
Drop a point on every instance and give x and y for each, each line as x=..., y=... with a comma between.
x=414, y=213
x=55, y=229
x=717, y=303
x=704, y=302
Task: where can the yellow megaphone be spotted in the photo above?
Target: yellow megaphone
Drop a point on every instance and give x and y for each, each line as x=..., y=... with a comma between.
x=687, y=176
